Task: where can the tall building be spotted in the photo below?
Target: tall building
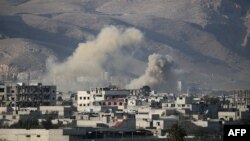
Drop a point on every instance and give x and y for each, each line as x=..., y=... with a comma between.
x=179, y=86
x=242, y=98
x=22, y=95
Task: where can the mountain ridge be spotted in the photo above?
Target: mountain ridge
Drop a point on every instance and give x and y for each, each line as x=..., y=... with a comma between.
x=209, y=40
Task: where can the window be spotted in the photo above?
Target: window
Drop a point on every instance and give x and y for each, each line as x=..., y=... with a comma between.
x=222, y=119
x=80, y=104
x=4, y=116
x=84, y=98
x=47, y=89
x=88, y=98
x=109, y=103
x=88, y=104
x=84, y=104
x=1, y=90
x=28, y=136
x=158, y=123
x=103, y=103
x=98, y=95
x=12, y=91
x=13, y=117
x=80, y=98
x=8, y=89
x=38, y=136
x=2, y=97
x=120, y=103
x=115, y=103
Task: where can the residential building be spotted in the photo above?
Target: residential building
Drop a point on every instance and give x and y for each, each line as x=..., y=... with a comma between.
x=18, y=95
x=242, y=98
x=97, y=97
x=33, y=135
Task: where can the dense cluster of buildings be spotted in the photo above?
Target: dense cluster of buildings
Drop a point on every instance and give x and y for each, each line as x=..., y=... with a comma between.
x=113, y=113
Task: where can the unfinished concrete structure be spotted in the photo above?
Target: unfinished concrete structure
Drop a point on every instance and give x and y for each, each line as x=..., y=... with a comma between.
x=242, y=98
x=18, y=95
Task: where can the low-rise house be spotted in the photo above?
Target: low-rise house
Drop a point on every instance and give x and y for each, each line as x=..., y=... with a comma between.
x=228, y=115
x=33, y=135
x=59, y=111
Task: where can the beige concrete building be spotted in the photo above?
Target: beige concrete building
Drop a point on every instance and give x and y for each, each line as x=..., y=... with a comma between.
x=32, y=135
x=228, y=115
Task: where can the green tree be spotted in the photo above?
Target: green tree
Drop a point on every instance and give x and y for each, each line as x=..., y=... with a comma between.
x=3, y=124
x=47, y=124
x=26, y=124
x=211, y=100
x=176, y=133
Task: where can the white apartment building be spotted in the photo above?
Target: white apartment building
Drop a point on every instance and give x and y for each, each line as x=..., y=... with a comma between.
x=95, y=98
x=228, y=115
x=181, y=102
x=84, y=100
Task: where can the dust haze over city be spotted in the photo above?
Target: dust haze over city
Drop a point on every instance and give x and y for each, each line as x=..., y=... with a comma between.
x=75, y=45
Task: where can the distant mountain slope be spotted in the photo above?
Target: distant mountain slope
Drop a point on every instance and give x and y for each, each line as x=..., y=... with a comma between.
x=208, y=39
x=26, y=54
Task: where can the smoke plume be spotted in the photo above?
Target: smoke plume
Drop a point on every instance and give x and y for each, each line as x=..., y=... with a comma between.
x=87, y=63
x=157, y=72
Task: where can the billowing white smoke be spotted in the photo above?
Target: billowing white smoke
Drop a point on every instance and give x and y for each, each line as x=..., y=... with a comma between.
x=156, y=73
x=88, y=61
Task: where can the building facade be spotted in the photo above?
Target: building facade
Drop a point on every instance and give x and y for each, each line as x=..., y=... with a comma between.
x=242, y=98
x=101, y=97
x=21, y=95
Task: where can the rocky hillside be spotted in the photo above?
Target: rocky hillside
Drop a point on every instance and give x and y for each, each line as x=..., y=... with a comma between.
x=209, y=40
